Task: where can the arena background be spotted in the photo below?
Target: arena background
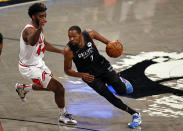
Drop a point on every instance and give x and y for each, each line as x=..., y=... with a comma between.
x=152, y=35
x=11, y=2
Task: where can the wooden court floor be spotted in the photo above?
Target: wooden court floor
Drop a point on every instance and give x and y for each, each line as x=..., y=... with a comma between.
x=152, y=35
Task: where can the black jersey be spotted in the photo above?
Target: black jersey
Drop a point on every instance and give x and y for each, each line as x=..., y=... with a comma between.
x=87, y=59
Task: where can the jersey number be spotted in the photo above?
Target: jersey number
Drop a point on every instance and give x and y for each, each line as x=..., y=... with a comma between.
x=39, y=50
x=40, y=43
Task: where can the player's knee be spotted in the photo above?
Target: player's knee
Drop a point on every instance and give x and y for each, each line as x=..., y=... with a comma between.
x=123, y=89
x=120, y=88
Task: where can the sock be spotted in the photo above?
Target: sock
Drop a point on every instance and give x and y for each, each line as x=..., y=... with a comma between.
x=62, y=111
x=27, y=88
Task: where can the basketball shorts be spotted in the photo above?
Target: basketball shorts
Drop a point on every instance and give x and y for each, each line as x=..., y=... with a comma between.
x=39, y=75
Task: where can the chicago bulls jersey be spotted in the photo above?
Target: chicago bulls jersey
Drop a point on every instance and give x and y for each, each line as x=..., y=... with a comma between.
x=31, y=55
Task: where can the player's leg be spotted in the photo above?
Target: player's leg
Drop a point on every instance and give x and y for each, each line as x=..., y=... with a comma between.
x=42, y=80
x=119, y=84
x=59, y=92
x=35, y=75
x=113, y=79
x=116, y=82
x=99, y=86
x=23, y=89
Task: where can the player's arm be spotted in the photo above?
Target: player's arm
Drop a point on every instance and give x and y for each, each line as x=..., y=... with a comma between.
x=68, y=56
x=95, y=35
x=51, y=48
x=31, y=35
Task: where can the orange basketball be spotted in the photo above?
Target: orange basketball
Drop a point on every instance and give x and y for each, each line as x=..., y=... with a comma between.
x=114, y=49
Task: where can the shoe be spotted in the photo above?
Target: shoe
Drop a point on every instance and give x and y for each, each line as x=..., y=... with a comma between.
x=136, y=120
x=129, y=87
x=67, y=119
x=21, y=92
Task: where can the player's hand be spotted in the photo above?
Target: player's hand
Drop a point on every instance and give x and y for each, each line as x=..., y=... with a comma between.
x=42, y=22
x=87, y=77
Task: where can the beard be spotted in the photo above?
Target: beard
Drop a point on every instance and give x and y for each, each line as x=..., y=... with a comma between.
x=37, y=22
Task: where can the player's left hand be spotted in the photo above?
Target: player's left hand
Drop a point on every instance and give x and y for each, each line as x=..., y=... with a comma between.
x=87, y=77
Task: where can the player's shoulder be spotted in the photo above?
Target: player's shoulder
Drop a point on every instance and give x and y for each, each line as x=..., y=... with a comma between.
x=29, y=27
x=68, y=52
x=67, y=48
x=91, y=32
x=29, y=30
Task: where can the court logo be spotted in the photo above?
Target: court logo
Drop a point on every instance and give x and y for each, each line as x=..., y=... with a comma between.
x=153, y=74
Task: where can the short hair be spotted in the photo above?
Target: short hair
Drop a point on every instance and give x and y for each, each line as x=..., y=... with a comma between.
x=36, y=8
x=75, y=27
x=1, y=38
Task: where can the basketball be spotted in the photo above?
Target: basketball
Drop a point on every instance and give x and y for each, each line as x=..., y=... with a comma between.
x=114, y=49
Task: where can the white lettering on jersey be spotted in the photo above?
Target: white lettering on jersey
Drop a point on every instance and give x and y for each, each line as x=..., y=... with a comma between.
x=86, y=53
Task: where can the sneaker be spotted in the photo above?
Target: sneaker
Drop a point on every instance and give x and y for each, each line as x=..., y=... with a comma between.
x=129, y=87
x=136, y=120
x=20, y=90
x=67, y=119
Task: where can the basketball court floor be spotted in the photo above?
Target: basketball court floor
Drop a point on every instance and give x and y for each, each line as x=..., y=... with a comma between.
x=152, y=35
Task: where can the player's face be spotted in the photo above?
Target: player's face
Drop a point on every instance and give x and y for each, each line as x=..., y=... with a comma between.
x=74, y=37
x=39, y=16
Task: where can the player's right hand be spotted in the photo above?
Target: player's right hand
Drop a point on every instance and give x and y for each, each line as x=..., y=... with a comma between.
x=42, y=22
x=87, y=77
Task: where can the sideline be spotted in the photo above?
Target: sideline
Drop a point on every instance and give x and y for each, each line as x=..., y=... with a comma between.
x=47, y=123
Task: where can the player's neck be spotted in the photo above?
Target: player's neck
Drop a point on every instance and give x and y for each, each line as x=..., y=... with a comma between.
x=34, y=24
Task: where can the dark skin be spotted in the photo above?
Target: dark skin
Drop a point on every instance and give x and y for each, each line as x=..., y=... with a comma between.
x=31, y=36
x=78, y=39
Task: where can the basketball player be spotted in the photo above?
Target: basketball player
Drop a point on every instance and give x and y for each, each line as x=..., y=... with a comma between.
x=31, y=65
x=1, y=43
x=94, y=69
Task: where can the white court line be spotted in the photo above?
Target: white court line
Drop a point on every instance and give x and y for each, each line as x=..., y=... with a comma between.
x=15, y=5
